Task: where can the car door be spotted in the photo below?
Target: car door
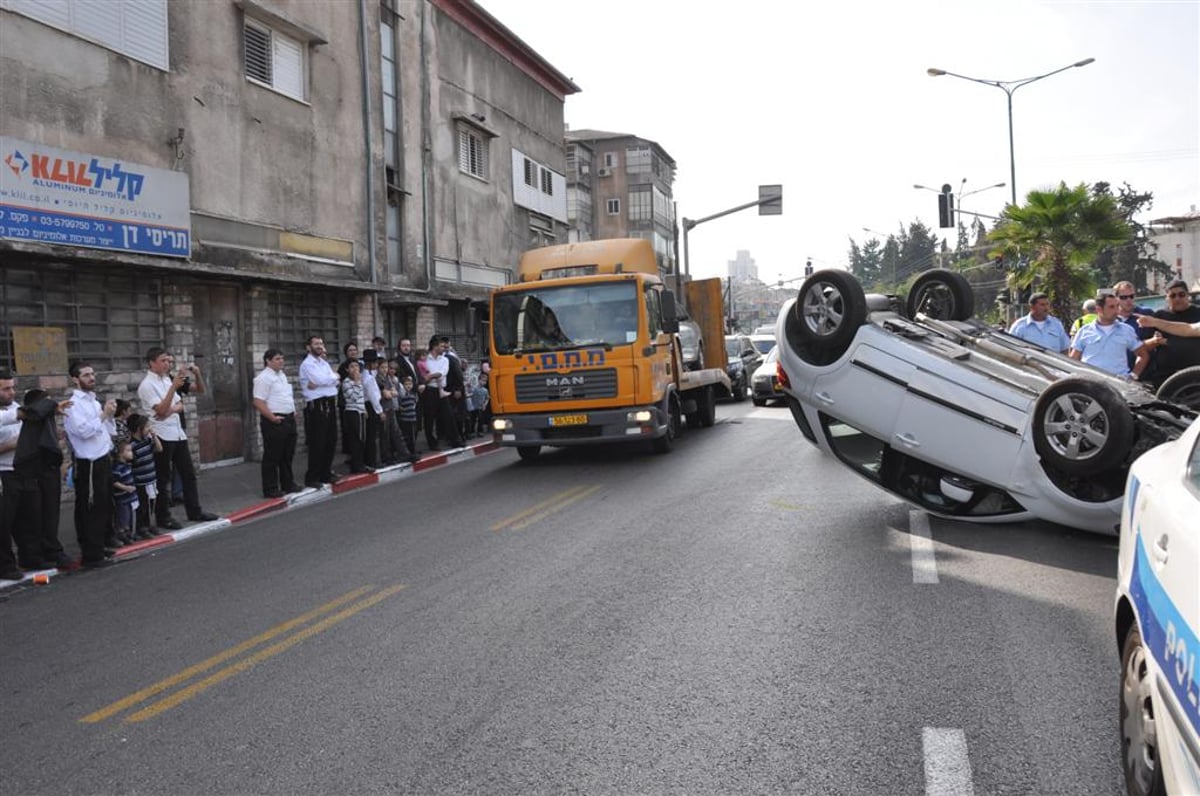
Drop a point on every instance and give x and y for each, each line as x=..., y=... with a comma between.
x=956, y=427
x=866, y=392
x=1166, y=590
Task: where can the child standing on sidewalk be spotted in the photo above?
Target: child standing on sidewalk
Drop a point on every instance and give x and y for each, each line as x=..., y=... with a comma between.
x=145, y=444
x=354, y=416
x=124, y=492
x=407, y=414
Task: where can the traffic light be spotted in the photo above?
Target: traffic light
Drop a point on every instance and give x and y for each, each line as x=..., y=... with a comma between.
x=946, y=207
x=808, y=268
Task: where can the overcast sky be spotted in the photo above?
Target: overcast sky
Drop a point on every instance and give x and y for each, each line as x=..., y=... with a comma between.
x=832, y=100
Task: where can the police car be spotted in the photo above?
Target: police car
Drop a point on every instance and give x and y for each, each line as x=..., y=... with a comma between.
x=1157, y=619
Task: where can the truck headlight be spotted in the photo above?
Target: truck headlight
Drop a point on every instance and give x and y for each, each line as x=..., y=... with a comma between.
x=501, y=424
x=640, y=416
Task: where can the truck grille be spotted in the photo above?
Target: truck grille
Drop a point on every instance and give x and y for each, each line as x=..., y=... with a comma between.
x=572, y=385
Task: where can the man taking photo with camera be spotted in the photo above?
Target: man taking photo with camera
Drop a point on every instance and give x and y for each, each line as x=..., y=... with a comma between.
x=160, y=396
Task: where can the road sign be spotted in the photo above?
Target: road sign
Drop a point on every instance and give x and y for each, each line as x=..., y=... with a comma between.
x=770, y=200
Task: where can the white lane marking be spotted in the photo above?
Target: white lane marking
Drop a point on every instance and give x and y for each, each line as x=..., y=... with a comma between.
x=923, y=563
x=947, y=767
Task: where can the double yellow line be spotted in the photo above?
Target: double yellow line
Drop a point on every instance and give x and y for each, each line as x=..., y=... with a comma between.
x=540, y=511
x=184, y=694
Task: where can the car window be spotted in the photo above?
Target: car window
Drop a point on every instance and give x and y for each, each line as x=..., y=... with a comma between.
x=764, y=345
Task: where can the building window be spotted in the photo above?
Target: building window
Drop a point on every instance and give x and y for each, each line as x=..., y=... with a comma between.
x=610, y=160
x=639, y=205
x=138, y=30
x=472, y=153
x=637, y=160
x=296, y=314
x=547, y=182
x=541, y=231
x=531, y=173
x=110, y=320
x=614, y=207
x=273, y=59
x=389, y=77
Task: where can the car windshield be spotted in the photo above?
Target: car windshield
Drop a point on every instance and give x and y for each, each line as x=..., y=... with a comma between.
x=547, y=319
x=764, y=344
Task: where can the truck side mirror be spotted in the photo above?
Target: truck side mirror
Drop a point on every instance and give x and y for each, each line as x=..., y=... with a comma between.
x=670, y=315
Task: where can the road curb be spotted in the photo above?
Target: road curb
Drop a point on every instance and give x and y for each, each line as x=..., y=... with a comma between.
x=310, y=496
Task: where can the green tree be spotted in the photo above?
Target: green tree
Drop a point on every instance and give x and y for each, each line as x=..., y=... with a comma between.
x=1137, y=261
x=866, y=261
x=1053, y=239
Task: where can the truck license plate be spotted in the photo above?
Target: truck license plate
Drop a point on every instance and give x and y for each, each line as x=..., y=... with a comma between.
x=569, y=420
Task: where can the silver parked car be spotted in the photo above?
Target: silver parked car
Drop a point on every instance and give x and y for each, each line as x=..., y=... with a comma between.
x=956, y=417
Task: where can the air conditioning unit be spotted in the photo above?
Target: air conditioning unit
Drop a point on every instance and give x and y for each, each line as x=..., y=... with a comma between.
x=603, y=171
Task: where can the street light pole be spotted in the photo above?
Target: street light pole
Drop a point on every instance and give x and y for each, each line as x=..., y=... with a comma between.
x=1009, y=87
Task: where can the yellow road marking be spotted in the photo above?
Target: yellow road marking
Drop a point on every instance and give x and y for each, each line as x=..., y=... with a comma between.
x=546, y=505
x=525, y=523
x=192, y=690
x=203, y=666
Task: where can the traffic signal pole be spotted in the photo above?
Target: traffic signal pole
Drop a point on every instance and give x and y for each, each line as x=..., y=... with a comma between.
x=770, y=202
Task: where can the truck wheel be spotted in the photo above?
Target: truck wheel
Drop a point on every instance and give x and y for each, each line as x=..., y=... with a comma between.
x=941, y=294
x=529, y=452
x=707, y=407
x=1182, y=387
x=828, y=312
x=674, y=423
x=739, y=390
x=1081, y=426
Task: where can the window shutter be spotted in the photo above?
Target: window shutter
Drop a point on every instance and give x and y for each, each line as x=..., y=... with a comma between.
x=547, y=182
x=464, y=150
x=99, y=22
x=288, y=66
x=56, y=13
x=258, y=53
x=146, y=31
x=530, y=174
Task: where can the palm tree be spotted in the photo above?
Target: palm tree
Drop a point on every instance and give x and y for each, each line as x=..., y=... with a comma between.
x=1055, y=236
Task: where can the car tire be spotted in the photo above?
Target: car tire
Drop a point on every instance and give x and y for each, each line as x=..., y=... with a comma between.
x=529, y=452
x=941, y=294
x=666, y=442
x=1182, y=387
x=1139, y=737
x=739, y=390
x=1081, y=426
x=827, y=314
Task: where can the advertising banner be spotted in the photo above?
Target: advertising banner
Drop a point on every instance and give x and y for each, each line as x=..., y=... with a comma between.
x=50, y=195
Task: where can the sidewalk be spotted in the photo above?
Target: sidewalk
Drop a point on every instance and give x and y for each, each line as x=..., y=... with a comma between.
x=234, y=493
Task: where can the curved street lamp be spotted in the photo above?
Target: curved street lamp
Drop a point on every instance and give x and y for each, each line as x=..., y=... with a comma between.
x=1008, y=87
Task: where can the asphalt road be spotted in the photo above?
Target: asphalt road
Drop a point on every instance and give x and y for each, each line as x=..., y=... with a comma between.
x=739, y=616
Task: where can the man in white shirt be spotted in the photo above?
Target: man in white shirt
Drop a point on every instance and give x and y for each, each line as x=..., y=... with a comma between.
x=8, y=499
x=276, y=405
x=374, y=400
x=90, y=429
x=319, y=384
x=159, y=394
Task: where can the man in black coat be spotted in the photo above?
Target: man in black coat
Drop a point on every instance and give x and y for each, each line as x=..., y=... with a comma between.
x=37, y=464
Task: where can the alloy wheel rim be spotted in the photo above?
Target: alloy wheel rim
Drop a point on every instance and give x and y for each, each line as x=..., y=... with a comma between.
x=1076, y=426
x=824, y=309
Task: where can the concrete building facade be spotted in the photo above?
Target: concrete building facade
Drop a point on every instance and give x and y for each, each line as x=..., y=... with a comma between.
x=257, y=171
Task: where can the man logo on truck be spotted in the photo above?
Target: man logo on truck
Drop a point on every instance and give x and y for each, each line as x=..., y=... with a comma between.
x=564, y=381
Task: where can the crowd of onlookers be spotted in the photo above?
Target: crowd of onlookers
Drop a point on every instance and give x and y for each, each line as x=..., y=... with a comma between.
x=129, y=465
x=1115, y=335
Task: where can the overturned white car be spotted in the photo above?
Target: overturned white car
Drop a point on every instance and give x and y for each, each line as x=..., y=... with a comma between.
x=956, y=417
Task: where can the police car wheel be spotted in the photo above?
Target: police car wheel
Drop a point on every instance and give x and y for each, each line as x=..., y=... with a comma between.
x=1139, y=735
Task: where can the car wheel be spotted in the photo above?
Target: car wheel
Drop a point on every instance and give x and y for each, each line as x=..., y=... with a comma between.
x=739, y=390
x=1082, y=426
x=1139, y=735
x=674, y=425
x=941, y=294
x=528, y=452
x=1182, y=387
x=830, y=308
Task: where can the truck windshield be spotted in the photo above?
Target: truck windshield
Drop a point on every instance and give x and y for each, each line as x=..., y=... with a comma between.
x=547, y=319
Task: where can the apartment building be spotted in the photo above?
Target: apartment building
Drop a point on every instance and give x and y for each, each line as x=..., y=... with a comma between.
x=620, y=186
x=227, y=176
